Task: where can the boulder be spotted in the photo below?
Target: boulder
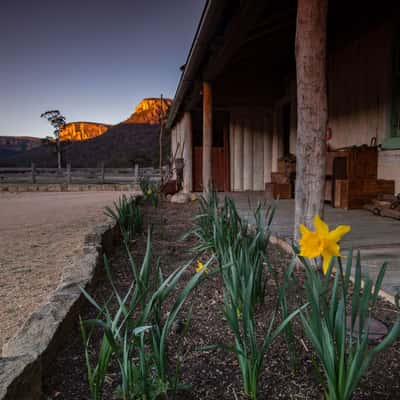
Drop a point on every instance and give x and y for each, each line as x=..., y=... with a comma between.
x=180, y=198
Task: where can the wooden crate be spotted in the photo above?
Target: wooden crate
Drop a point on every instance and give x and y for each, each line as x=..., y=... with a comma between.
x=286, y=167
x=351, y=194
x=279, y=190
x=341, y=194
x=279, y=178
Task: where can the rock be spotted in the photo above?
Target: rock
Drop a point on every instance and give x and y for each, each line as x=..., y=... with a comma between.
x=20, y=378
x=180, y=198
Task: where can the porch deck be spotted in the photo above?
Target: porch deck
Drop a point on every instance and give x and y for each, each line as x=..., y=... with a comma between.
x=377, y=238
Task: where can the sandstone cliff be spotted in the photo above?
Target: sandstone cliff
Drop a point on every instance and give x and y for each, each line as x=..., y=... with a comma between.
x=82, y=130
x=148, y=111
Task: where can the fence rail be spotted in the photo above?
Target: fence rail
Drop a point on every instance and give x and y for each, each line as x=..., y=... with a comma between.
x=69, y=174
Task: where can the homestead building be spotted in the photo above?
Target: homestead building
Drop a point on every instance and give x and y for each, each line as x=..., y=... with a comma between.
x=234, y=118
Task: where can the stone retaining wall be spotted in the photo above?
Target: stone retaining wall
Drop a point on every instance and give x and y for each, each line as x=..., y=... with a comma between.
x=35, y=345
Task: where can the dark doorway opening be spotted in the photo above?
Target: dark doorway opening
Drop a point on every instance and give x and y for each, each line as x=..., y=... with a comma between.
x=219, y=151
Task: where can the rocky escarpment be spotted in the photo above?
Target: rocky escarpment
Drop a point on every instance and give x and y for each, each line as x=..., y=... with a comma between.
x=77, y=131
x=149, y=111
x=11, y=145
x=135, y=140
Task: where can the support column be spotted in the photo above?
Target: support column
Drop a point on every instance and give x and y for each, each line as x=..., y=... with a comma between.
x=275, y=141
x=173, y=149
x=187, y=153
x=312, y=110
x=258, y=153
x=238, y=156
x=207, y=136
x=248, y=156
x=267, y=150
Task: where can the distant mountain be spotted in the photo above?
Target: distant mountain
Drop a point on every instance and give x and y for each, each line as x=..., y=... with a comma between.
x=12, y=145
x=148, y=111
x=121, y=146
x=135, y=140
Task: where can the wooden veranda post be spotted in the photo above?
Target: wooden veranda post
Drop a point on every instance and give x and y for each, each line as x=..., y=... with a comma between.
x=312, y=110
x=33, y=173
x=161, y=120
x=187, y=153
x=69, y=173
x=207, y=135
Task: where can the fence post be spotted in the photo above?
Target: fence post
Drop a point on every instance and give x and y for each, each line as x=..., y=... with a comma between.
x=69, y=178
x=33, y=172
x=102, y=172
x=136, y=173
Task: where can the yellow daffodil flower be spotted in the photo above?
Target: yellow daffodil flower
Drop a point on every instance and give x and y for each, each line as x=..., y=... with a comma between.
x=200, y=267
x=321, y=242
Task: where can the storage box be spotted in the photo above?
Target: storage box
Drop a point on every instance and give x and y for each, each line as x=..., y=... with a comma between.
x=278, y=190
x=350, y=194
x=286, y=167
x=279, y=177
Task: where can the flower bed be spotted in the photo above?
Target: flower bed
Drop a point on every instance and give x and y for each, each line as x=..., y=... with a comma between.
x=213, y=372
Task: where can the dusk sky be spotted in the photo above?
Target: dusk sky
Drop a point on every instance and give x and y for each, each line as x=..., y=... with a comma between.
x=94, y=60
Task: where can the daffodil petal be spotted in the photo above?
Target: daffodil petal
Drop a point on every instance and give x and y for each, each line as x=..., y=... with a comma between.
x=332, y=248
x=326, y=261
x=303, y=229
x=320, y=226
x=338, y=233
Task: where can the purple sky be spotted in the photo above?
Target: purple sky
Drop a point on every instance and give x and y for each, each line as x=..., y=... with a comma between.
x=94, y=60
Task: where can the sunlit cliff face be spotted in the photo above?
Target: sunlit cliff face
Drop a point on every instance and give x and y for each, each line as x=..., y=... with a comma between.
x=78, y=131
x=148, y=111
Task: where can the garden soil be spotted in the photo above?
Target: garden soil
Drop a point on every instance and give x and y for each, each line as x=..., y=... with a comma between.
x=213, y=375
x=40, y=233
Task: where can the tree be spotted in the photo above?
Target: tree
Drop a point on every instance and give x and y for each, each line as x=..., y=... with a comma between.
x=57, y=120
x=312, y=110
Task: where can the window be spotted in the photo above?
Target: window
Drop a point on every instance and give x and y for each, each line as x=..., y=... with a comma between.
x=395, y=131
x=393, y=140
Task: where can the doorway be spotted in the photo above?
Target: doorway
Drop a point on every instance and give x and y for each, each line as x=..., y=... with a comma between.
x=219, y=151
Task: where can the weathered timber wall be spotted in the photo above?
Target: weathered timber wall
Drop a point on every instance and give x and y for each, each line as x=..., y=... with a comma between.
x=250, y=151
x=359, y=79
x=359, y=97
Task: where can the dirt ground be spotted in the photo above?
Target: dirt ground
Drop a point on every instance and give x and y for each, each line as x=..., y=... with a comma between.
x=213, y=375
x=39, y=234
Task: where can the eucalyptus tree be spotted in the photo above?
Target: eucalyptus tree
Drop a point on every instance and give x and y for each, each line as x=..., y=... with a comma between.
x=57, y=120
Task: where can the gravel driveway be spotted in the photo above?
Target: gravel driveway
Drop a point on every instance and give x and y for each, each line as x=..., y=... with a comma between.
x=39, y=235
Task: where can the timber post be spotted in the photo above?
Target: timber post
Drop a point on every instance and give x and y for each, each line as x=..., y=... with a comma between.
x=312, y=110
x=207, y=136
x=102, y=172
x=69, y=173
x=33, y=173
x=136, y=173
x=188, y=154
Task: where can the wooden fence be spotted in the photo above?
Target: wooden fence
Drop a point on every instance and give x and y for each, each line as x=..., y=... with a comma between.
x=78, y=175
